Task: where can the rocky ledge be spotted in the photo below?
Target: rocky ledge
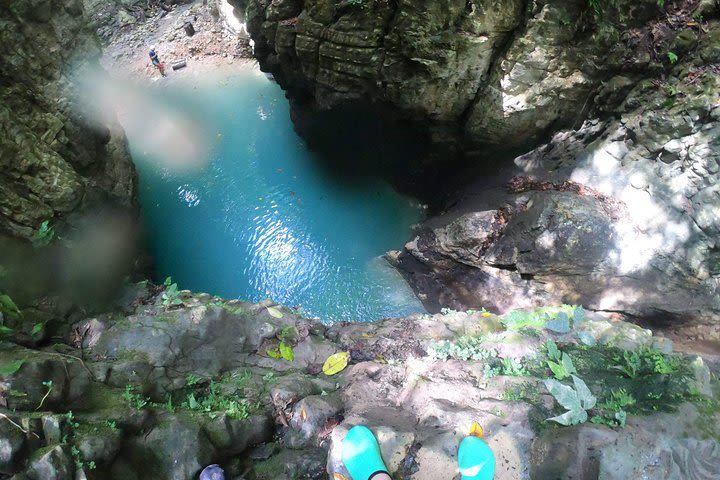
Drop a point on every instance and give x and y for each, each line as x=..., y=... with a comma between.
x=181, y=381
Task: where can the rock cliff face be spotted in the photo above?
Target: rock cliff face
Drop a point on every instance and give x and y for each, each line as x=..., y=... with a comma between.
x=619, y=213
x=501, y=73
x=54, y=159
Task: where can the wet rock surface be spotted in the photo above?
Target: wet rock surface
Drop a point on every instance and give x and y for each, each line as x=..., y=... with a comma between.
x=159, y=404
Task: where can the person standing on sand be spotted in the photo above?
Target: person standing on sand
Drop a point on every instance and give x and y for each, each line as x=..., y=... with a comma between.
x=156, y=61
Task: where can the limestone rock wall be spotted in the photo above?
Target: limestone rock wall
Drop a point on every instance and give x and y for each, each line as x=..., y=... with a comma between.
x=622, y=215
x=54, y=160
x=503, y=73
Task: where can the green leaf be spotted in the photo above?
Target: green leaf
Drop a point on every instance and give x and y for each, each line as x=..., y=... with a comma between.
x=12, y=367
x=572, y=417
x=587, y=399
x=274, y=312
x=578, y=315
x=568, y=364
x=37, y=328
x=274, y=353
x=8, y=307
x=168, y=281
x=560, y=324
x=672, y=57
x=552, y=350
x=336, y=363
x=558, y=370
x=6, y=330
x=286, y=351
x=621, y=417
x=565, y=395
x=587, y=339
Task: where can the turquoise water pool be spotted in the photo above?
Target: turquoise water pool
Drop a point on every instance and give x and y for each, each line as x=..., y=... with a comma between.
x=261, y=218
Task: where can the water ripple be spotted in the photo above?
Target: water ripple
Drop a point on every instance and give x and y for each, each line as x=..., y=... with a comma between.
x=263, y=220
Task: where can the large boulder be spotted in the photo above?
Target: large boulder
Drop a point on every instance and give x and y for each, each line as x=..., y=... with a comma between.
x=177, y=447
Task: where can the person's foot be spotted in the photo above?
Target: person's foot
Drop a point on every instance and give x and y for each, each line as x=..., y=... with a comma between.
x=212, y=472
x=475, y=459
x=361, y=454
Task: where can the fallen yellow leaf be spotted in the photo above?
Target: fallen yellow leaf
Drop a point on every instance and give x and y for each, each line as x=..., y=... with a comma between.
x=274, y=312
x=339, y=476
x=303, y=414
x=476, y=430
x=336, y=363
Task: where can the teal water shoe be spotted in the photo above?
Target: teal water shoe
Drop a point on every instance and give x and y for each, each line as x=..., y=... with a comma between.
x=361, y=454
x=475, y=459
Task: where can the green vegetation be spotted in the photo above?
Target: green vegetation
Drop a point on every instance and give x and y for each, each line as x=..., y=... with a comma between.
x=632, y=382
x=672, y=57
x=526, y=391
x=43, y=235
x=8, y=307
x=464, y=348
x=213, y=402
x=577, y=401
x=470, y=348
x=559, y=362
x=588, y=381
x=557, y=319
x=513, y=367
x=134, y=399
x=285, y=350
x=612, y=412
x=199, y=395
x=73, y=426
x=11, y=367
x=643, y=362
x=171, y=295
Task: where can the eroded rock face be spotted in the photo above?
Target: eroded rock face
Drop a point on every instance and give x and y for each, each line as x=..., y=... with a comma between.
x=501, y=72
x=618, y=215
x=54, y=158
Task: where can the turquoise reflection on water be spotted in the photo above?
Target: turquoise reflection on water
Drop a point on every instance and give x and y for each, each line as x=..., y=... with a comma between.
x=263, y=219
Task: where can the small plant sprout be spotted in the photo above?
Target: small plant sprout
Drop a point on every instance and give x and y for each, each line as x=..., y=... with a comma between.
x=171, y=295
x=672, y=57
x=43, y=235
